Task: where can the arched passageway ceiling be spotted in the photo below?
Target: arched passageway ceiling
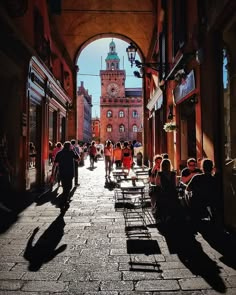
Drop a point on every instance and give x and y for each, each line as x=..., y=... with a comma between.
x=84, y=21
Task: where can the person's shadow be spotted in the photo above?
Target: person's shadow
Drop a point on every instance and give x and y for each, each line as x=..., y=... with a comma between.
x=181, y=240
x=222, y=241
x=110, y=184
x=45, y=249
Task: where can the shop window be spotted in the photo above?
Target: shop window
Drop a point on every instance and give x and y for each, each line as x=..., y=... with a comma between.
x=179, y=27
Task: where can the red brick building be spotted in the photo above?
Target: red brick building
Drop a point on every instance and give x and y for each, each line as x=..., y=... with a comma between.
x=84, y=114
x=96, y=129
x=120, y=108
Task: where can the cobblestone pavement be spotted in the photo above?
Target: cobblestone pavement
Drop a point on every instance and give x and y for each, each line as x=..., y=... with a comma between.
x=98, y=247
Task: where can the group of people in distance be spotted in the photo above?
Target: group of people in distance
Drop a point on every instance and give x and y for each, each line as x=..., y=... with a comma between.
x=119, y=154
x=199, y=185
x=66, y=157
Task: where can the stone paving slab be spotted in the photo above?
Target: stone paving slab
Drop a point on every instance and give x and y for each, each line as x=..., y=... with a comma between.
x=97, y=248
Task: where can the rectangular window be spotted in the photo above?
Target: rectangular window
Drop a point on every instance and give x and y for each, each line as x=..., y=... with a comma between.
x=179, y=25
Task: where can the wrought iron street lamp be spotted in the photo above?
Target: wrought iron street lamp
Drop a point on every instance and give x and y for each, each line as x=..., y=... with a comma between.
x=131, y=52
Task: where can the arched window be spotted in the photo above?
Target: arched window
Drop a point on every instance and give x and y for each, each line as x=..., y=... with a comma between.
x=122, y=128
x=121, y=114
x=109, y=114
x=135, y=114
x=109, y=128
x=135, y=128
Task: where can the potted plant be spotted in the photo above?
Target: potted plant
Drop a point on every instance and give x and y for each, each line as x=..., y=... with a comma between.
x=170, y=126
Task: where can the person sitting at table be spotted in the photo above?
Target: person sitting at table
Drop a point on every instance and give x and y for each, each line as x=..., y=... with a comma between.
x=127, y=158
x=167, y=200
x=188, y=172
x=153, y=189
x=204, y=188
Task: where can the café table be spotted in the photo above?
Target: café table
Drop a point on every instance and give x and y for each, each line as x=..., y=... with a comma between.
x=133, y=190
x=120, y=174
x=142, y=173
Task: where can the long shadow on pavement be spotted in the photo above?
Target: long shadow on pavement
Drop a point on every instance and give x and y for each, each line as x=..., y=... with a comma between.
x=45, y=249
x=222, y=241
x=53, y=196
x=11, y=205
x=180, y=238
x=49, y=196
x=139, y=241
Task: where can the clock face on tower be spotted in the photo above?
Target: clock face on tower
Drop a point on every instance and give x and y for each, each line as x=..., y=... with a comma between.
x=113, y=89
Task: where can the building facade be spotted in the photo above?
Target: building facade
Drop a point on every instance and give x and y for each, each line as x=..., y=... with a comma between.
x=196, y=86
x=37, y=92
x=120, y=107
x=84, y=115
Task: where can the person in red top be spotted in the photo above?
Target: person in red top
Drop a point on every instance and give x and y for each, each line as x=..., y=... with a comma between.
x=55, y=177
x=92, y=154
x=56, y=149
x=127, y=158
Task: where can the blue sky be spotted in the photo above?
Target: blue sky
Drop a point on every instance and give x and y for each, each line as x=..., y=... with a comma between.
x=92, y=60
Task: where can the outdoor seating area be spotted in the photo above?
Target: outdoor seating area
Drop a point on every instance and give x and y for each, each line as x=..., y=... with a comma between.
x=132, y=192
x=132, y=187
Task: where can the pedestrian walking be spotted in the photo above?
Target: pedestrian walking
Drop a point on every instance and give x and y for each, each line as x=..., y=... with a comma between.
x=108, y=153
x=117, y=155
x=65, y=161
x=127, y=159
x=92, y=154
x=55, y=176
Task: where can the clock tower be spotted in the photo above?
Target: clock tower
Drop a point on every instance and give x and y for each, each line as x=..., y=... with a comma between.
x=115, y=106
x=112, y=79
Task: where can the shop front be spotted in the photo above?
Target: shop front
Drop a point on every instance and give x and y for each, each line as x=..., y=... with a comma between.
x=186, y=98
x=47, y=121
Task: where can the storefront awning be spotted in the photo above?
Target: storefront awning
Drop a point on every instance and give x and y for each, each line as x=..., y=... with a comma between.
x=156, y=100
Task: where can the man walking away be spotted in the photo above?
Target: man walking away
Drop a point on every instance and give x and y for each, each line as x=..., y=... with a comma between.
x=65, y=161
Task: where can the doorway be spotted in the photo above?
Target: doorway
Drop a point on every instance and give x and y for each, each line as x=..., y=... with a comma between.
x=34, y=145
